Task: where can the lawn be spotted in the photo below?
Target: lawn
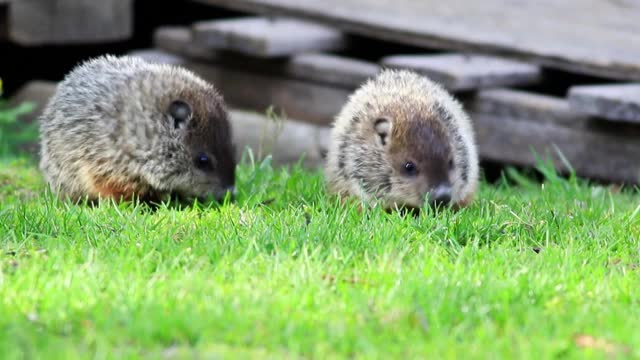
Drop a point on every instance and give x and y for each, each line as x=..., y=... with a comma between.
x=529, y=271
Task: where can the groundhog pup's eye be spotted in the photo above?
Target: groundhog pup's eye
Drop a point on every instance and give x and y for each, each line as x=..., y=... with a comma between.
x=410, y=168
x=203, y=162
x=180, y=111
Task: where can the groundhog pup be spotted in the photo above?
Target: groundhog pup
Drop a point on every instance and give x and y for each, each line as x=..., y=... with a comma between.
x=119, y=127
x=402, y=141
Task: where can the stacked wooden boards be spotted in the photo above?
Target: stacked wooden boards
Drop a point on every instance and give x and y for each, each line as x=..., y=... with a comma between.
x=590, y=36
x=255, y=70
x=50, y=22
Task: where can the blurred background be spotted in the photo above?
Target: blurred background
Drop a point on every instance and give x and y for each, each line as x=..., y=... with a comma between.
x=542, y=80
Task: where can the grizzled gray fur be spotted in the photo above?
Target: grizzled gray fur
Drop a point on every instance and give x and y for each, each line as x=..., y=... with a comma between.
x=119, y=127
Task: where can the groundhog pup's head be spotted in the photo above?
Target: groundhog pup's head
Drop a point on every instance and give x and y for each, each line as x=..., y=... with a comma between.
x=404, y=141
x=417, y=156
x=196, y=157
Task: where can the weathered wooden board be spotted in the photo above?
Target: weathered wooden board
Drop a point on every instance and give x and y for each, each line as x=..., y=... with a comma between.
x=297, y=99
x=587, y=36
x=267, y=37
x=331, y=69
x=619, y=102
x=179, y=40
x=510, y=124
x=460, y=72
x=40, y=22
x=287, y=141
x=317, y=67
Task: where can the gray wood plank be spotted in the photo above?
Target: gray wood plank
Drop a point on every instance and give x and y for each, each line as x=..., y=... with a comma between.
x=619, y=102
x=41, y=22
x=330, y=69
x=460, y=72
x=297, y=99
x=561, y=34
x=267, y=37
x=318, y=67
x=286, y=140
x=510, y=125
x=179, y=40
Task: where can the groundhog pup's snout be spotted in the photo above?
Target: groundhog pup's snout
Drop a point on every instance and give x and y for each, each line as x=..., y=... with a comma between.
x=441, y=195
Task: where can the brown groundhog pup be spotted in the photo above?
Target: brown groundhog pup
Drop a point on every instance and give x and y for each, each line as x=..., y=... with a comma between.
x=403, y=141
x=119, y=127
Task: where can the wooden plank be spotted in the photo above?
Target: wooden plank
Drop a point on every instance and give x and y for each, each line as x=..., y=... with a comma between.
x=179, y=40
x=42, y=22
x=619, y=102
x=560, y=34
x=267, y=37
x=317, y=67
x=330, y=69
x=287, y=141
x=295, y=98
x=510, y=125
x=459, y=72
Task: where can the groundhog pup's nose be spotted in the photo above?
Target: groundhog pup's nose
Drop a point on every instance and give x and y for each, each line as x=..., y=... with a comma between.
x=440, y=196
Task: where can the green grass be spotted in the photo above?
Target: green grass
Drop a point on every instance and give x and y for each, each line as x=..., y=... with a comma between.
x=288, y=272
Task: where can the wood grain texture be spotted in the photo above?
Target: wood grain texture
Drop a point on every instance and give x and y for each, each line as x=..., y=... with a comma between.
x=287, y=141
x=512, y=125
x=459, y=72
x=41, y=22
x=586, y=36
x=619, y=102
x=267, y=37
x=297, y=99
x=316, y=67
x=331, y=69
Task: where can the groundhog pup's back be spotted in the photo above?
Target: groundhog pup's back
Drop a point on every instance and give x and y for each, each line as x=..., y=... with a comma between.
x=119, y=126
x=402, y=140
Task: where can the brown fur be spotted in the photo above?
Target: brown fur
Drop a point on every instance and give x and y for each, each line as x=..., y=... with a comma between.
x=111, y=131
x=391, y=122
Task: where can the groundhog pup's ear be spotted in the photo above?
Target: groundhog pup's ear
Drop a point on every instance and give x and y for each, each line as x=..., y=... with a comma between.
x=180, y=111
x=383, y=129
